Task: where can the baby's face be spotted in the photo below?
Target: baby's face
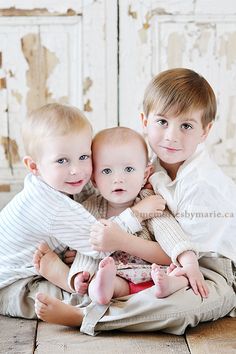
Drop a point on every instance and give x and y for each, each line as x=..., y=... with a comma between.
x=174, y=138
x=119, y=171
x=65, y=161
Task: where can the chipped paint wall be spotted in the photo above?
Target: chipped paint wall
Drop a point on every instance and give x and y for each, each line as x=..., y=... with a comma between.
x=100, y=54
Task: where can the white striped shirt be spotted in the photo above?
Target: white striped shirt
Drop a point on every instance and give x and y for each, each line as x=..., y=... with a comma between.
x=40, y=213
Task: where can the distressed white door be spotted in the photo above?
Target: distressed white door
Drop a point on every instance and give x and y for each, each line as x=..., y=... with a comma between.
x=53, y=51
x=201, y=35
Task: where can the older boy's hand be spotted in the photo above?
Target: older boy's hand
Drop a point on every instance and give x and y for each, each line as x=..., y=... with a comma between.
x=107, y=236
x=195, y=278
x=149, y=207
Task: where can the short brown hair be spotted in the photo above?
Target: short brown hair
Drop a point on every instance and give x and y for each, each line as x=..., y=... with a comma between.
x=183, y=90
x=52, y=119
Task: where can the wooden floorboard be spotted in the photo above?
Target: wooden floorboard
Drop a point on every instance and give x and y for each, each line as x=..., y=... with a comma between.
x=217, y=337
x=56, y=339
x=24, y=336
x=17, y=335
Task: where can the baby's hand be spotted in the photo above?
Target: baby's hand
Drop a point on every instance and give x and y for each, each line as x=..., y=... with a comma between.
x=195, y=278
x=149, y=207
x=106, y=236
x=81, y=282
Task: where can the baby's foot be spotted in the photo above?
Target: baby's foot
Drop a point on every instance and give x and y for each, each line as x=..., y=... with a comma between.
x=52, y=310
x=102, y=286
x=166, y=285
x=50, y=266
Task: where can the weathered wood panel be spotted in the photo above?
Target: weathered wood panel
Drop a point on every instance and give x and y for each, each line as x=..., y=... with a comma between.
x=17, y=335
x=49, y=53
x=57, y=339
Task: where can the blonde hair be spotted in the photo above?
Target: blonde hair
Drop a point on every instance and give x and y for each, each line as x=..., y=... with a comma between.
x=52, y=119
x=119, y=136
x=182, y=90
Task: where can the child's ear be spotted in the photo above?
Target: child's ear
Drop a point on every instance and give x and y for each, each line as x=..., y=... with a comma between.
x=148, y=171
x=93, y=180
x=206, y=131
x=144, y=121
x=31, y=165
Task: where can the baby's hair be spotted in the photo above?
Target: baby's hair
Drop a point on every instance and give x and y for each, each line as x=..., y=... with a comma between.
x=119, y=136
x=52, y=119
x=181, y=90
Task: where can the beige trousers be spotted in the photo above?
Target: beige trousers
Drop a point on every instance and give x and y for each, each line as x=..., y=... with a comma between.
x=173, y=314
x=17, y=299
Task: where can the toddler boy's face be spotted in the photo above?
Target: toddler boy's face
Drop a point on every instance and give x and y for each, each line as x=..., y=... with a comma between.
x=174, y=138
x=65, y=161
x=119, y=171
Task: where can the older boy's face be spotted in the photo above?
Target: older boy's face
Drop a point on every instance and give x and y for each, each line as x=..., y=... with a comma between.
x=65, y=162
x=119, y=171
x=174, y=138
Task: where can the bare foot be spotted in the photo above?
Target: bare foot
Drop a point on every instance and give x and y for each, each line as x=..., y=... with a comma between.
x=102, y=287
x=50, y=266
x=52, y=310
x=165, y=284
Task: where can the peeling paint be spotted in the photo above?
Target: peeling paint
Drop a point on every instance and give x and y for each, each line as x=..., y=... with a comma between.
x=10, y=150
x=5, y=188
x=10, y=73
x=227, y=49
x=87, y=84
x=12, y=11
x=146, y=25
x=3, y=83
x=231, y=126
x=41, y=64
x=142, y=35
x=202, y=42
x=131, y=13
x=175, y=50
x=17, y=95
x=87, y=106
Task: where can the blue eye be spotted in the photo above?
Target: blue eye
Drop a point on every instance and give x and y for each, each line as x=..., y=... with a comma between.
x=186, y=126
x=62, y=161
x=106, y=171
x=84, y=157
x=129, y=169
x=162, y=122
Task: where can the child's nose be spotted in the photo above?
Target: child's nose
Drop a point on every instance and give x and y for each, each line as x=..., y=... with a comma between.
x=118, y=178
x=74, y=170
x=171, y=134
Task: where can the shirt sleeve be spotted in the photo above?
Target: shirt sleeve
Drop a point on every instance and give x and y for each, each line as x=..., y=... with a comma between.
x=82, y=263
x=169, y=234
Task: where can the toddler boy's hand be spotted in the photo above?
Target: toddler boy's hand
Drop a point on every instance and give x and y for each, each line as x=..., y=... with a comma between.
x=81, y=282
x=147, y=208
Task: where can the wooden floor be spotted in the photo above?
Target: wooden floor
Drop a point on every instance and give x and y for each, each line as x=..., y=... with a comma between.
x=27, y=336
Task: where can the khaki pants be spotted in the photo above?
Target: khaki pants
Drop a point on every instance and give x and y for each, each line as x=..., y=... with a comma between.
x=173, y=314
x=17, y=299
